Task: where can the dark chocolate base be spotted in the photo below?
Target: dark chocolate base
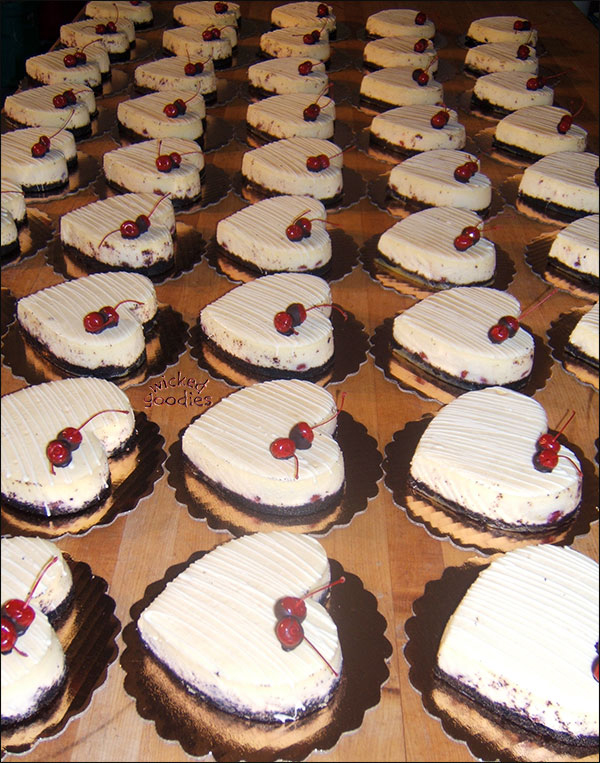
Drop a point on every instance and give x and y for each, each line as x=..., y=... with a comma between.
x=10, y=250
x=416, y=204
x=101, y=372
x=572, y=274
x=428, y=282
x=92, y=264
x=484, y=523
x=79, y=133
x=43, y=704
x=319, y=507
x=311, y=374
x=552, y=209
x=392, y=148
x=266, y=192
x=486, y=107
x=517, y=151
x=56, y=510
x=448, y=378
x=254, y=269
x=494, y=710
x=40, y=191
x=582, y=357
x=376, y=105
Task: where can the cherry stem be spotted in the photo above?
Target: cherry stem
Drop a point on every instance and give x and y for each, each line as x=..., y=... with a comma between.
x=579, y=110
x=122, y=302
x=196, y=94
x=579, y=472
x=538, y=303
x=98, y=413
x=339, y=153
x=322, y=93
x=117, y=10
x=433, y=60
x=64, y=126
x=39, y=576
x=333, y=416
x=162, y=198
x=342, y=579
x=339, y=309
x=320, y=655
x=553, y=76
x=564, y=426
x=296, y=460
x=301, y=215
x=18, y=651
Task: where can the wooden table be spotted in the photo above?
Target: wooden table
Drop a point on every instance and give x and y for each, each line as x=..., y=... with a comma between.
x=393, y=556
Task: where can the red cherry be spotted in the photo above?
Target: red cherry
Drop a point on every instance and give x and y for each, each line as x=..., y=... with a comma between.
x=297, y=311
x=462, y=242
x=59, y=101
x=498, y=334
x=110, y=315
x=164, y=163
x=180, y=105
x=129, y=229
x=420, y=18
x=308, y=39
x=282, y=447
x=306, y=226
x=283, y=323
x=521, y=25
x=510, y=323
x=94, y=323
x=472, y=232
x=322, y=10
x=316, y=34
x=215, y=34
x=190, y=69
x=44, y=140
x=142, y=222
x=311, y=112
x=313, y=164
x=175, y=158
x=207, y=35
x=38, y=150
x=545, y=460
x=290, y=606
x=8, y=637
x=305, y=68
x=323, y=161
x=422, y=79
x=302, y=435
x=80, y=57
x=439, y=120
x=289, y=632
x=100, y=29
x=417, y=73
x=294, y=232
x=20, y=613
x=171, y=110
x=71, y=436
x=58, y=453
x=420, y=46
x=462, y=173
x=533, y=83
x=111, y=27
x=472, y=167
x=564, y=125
x=199, y=67
x=70, y=96
x=220, y=7
x=548, y=442
x=70, y=61
x=523, y=52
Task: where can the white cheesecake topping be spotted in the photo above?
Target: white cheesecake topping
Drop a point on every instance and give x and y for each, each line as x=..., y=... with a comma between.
x=399, y=22
x=400, y=51
x=280, y=75
x=281, y=43
x=565, y=178
x=501, y=57
x=395, y=85
x=535, y=129
x=282, y=116
x=584, y=336
x=502, y=29
x=576, y=246
x=508, y=90
x=169, y=74
x=409, y=128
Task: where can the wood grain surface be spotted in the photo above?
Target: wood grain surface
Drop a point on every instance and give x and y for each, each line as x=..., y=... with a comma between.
x=392, y=555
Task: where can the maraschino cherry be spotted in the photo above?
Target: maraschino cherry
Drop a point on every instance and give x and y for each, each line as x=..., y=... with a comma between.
x=522, y=25
x=464, y=172
x=58, y=451
x=302, y=434
x=547, y=450
x=214, y=32
x=134, y=228
x=96, y=321
x=17, y=615
x=302, y=226
x=179, y=106
x=566, y=122
x=322, y=10
x=295, y=314
x=508, y=325
x=305, y=68
x=311, y=38
x=321, y=161
x=467, y=238
x=78, y=57
x=167, y=162
x=41, y=148
x=67, y=98
x=290, y=611
x=312, y=111
x=421, y=76
x=420, y=18
x=440, y=119
x=523, y=52
x=421, y=45
x=221, y=7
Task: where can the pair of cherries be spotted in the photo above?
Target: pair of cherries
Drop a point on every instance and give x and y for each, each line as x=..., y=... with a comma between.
x=305, y=68
x=523, y=52
x=312, y=111
x=75, y=59
x=179, y=106
x=420, y=46
x=464, y=172
x=522, y=25
x=191, y=69
x=41, y=148
x=311, y=38
x=299, y=229
x=98, y=320
x=467, y=238
x=166, y=162
x=17, y=615
x=290, y=612
x=134, y=228
x=421, y=76
x=108, y=28
x=212, y=33
x=286, y=320
x=320, y=161
x=508, y=325
x=440, y=119
x=547, y=447
x=67, y=98
x=59, y=450
x=221, y=7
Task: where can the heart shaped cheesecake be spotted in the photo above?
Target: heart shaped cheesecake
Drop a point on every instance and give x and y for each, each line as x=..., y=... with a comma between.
x=258, y=236
x=34, y=416
x=523, y=643
x=142, y=168
x=241, y=327
x=477, y=458
x=230, y=448
x=447, y=334
x=169, y=114
x=55, y=321
x=277, y=76
x=234, y=588
x=36, y=108
x=283, y=116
